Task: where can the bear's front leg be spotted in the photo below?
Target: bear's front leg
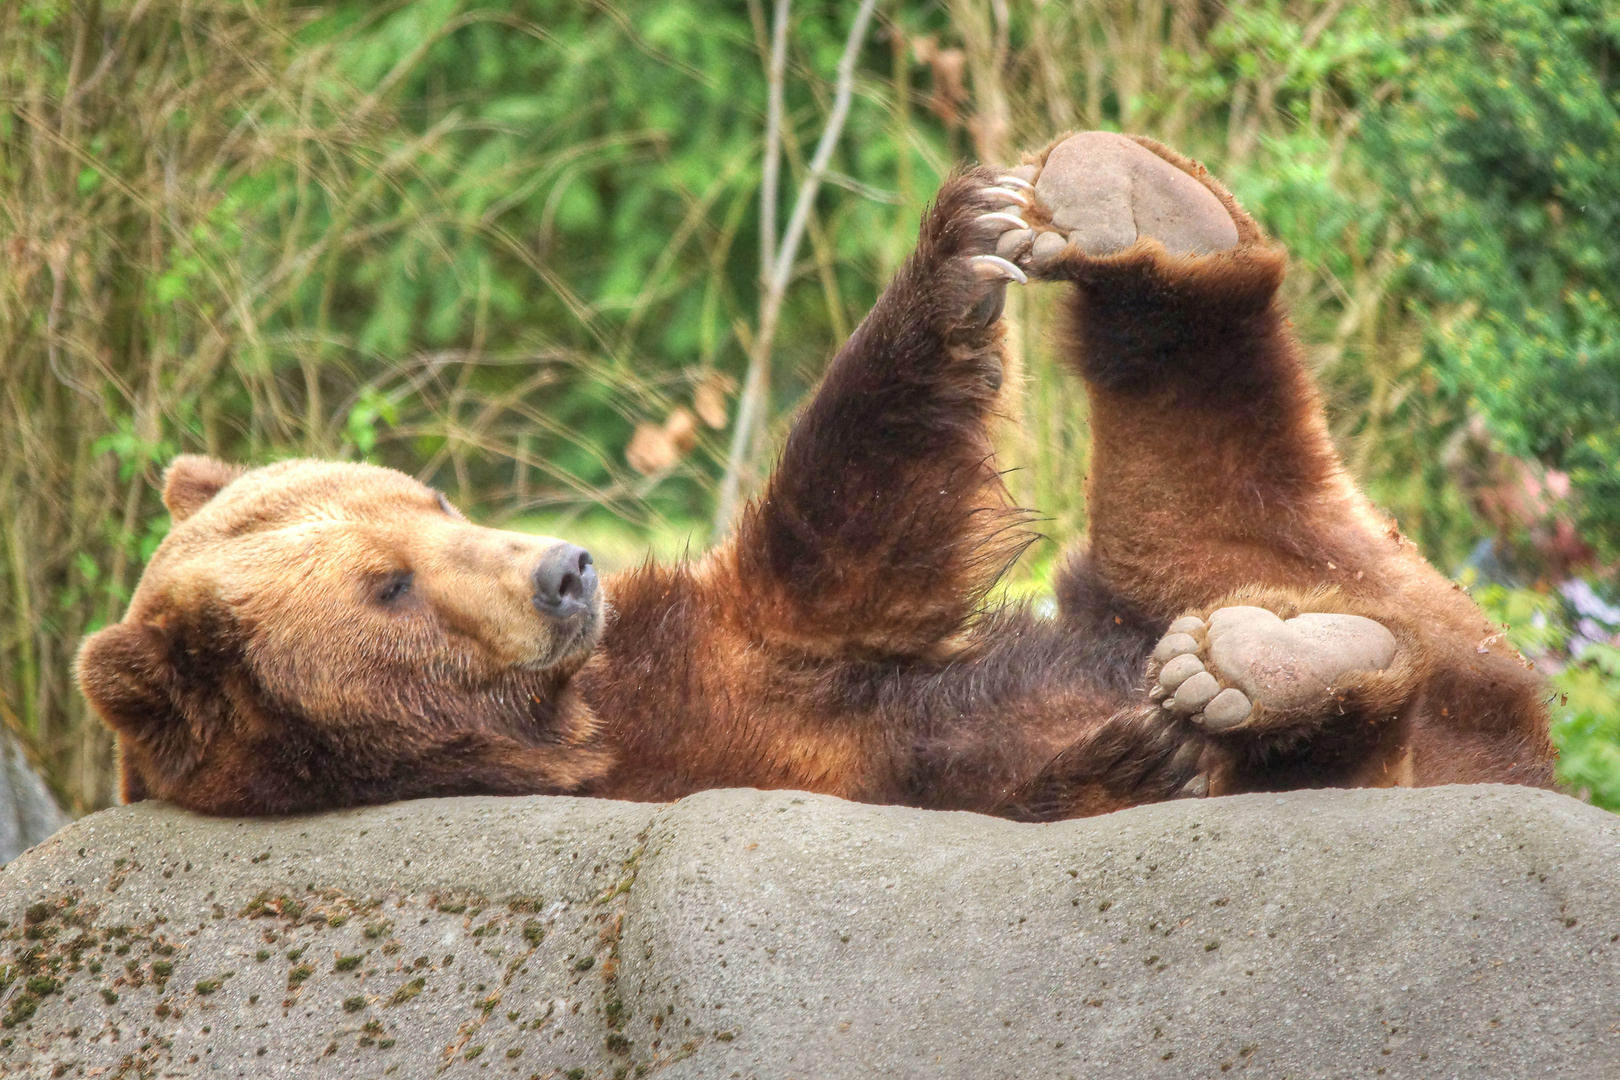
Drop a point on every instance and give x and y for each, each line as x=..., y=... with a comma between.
x=885, y=521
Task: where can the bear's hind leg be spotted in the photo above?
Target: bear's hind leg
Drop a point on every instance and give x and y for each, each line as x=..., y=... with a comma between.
x=1245, y=666
x=1214, y=479
x=1211, y=463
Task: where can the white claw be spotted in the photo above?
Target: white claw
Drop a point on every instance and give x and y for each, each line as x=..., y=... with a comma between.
x=1196, y=788
x=1009, y=194
x=1016, y=181
x=1011, y=219
x=1000, y=266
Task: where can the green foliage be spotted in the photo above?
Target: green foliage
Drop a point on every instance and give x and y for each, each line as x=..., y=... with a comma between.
x=578, y=180
x=365, y=415
x=1586, y=725
x=1586, y=686
x=1502, y=148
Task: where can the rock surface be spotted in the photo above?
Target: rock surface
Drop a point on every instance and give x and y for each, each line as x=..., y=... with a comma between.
x=1450, y=932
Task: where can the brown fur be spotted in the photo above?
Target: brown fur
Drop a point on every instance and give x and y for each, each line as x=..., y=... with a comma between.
x=256, y=672
x=834, y=643
x=1242, y=496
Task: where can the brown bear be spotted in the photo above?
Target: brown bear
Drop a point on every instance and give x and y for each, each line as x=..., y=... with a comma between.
x=316, y=635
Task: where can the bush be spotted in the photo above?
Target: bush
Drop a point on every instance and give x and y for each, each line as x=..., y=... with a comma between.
x=1501, y=149
x=1570, y=634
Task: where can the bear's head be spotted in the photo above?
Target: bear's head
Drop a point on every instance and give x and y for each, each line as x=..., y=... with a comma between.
x=314, y=634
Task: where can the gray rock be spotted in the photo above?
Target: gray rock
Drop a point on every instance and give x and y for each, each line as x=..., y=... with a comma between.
x=28, y=813
x=1464, y=932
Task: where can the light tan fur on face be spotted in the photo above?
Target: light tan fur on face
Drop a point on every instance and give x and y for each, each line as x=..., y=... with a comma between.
x=308, y=628
x=302, y=549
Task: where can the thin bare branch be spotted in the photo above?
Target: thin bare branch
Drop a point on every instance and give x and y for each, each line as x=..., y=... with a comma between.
x=751, y=407
x=776, y=76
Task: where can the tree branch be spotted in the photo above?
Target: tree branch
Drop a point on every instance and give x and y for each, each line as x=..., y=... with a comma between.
x=751, y=408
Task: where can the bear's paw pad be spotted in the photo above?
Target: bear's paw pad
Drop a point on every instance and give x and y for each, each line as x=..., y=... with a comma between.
x=1103, y=192
x=1217, y=672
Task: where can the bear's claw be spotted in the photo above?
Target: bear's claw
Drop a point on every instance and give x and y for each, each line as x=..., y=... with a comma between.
x=993, y=266
x=997, y=207
x=1218, y=673
x=1022, y=198
x=1196, y=788
x=1001, y=215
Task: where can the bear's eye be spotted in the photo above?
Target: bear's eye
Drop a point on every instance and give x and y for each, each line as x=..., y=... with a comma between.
x=395, y=586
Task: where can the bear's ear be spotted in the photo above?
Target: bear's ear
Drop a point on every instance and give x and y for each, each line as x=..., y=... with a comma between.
x=124, y=672
x=158, y=697
x=191, y=480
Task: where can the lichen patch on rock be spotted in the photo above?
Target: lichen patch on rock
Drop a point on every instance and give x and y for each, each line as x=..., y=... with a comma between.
x=779, y=934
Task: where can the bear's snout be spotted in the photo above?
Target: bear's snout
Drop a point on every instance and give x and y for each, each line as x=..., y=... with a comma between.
x=564, y=582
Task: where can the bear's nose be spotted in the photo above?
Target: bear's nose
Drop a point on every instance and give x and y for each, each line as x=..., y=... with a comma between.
x=564, y=582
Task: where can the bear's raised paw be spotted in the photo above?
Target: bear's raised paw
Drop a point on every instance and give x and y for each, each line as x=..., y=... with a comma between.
x=1097, y=193
x=1247, y=668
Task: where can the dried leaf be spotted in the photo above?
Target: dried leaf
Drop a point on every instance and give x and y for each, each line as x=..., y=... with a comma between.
x=948, y=67
x=654, y=447
x=710, y=402
x=681, y=430
x=650, y=450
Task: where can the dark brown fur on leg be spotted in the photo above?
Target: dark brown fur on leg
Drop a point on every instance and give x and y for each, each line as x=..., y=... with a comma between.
x=1037, y=722
x=1135, y=756
x=1213, y=471
x=885, y=521
x=832, y=644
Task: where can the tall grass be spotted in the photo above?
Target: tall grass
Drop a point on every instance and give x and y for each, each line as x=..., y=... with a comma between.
x=122, y=131
x=187, y=192
x=388, y=231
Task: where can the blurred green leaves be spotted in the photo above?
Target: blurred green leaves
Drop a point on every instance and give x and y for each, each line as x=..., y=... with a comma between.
x=1586, y=725
x=1586, y=683
x=1502, y=153
x=562, y=179
x=365, y=416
